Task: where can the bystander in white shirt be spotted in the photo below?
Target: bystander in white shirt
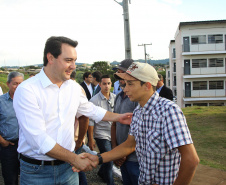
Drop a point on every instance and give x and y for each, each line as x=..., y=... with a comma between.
x=1, y=93
x=46, y=114
x=90, y=88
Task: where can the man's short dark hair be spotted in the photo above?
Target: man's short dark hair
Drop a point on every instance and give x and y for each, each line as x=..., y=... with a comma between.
x=142, y=83
x=73, y=74
x=104, y=76
x=86, y=75
x=160, y=77
x=97, y=75
x=53, y=46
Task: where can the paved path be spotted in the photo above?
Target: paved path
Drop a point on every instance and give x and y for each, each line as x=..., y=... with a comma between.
x=204, y=176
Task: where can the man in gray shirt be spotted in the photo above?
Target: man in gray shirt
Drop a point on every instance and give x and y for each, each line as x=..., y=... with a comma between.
x=102, y=129
x=129, y=165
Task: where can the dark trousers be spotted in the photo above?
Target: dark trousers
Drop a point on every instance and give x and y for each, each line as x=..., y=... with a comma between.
x=105, y=171
x=10, y=164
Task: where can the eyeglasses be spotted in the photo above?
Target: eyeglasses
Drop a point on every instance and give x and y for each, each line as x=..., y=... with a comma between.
x=122, y=86
x=109, y=102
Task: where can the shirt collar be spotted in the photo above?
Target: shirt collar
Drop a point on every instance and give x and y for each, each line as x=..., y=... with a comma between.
x=45, y=81
x=160, y=88
x=103, y=97
x=96, y=86
x=87, y=84
x=8, y=96
x=150, y=103
x=122, y=95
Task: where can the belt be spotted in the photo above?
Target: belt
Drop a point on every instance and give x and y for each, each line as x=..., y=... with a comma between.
x=40, y=162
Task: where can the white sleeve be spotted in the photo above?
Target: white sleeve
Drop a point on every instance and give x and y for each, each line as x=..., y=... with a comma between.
x=90, y=110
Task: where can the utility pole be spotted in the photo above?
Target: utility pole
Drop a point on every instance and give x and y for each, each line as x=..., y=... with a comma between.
x=124, y=4
x=145, y=54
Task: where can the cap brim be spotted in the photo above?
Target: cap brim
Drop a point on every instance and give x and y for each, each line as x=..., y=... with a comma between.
x=124, y=76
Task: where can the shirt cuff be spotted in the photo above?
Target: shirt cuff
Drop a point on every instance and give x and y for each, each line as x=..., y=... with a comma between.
x=48, y=145
x=100, y=114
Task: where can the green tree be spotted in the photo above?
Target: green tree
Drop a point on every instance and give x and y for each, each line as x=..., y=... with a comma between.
x=104, y=68
x=101, y=66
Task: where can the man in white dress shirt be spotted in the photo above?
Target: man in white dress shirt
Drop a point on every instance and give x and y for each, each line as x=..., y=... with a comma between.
x=1, y=92
x=45, y=106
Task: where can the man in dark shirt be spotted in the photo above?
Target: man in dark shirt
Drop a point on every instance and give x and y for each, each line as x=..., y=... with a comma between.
x=164, y=91
x=119, y=133
x=87, y=84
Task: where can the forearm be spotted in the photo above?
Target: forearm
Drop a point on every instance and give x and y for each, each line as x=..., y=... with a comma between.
x=186, y=173
x=120, y=151
x=188, y=165
x=90, y=132
x=110, y=116
x=83, y=127
x=60, y=153
x=113, y=135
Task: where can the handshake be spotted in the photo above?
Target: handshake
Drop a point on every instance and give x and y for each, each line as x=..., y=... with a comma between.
x=85, y=162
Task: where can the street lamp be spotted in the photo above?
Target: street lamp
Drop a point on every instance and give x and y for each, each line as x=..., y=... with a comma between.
x=145, y=54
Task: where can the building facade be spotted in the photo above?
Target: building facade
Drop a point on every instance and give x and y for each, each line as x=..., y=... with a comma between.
x=197, y=63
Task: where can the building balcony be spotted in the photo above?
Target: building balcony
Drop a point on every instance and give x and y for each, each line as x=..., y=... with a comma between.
x=204, y=76
x=211, y=93
x=206, y=71
x=197, y=49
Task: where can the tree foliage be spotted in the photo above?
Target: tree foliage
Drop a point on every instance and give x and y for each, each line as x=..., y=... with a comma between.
x=104, y=68
x=101, y=66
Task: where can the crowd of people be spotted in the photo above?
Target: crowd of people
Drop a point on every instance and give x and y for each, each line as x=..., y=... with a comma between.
x=45, y=119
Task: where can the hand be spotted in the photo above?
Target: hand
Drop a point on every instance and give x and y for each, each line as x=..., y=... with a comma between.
x=92, y=144
x=91, y=157
x=120, y=162
x=6, y=143
x=82, y=163
x=126, y=118
x=78, y=144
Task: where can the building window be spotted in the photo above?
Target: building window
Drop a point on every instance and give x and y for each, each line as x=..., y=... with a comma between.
x=174, y=81
x=216, y=104
x=199, y=63
x=169, y=83
x=200, y=104
x=187, y=105
x=174, y=53
x=168, y=74
x=215, y=38
x=216, y=62
x=198, y=39
x=200, y=85
x=216, y=84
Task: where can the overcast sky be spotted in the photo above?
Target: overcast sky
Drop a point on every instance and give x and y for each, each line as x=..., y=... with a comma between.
x=97, y=25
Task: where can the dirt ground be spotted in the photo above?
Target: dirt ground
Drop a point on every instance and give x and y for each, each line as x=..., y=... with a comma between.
x=203, y=176
x=209, y=176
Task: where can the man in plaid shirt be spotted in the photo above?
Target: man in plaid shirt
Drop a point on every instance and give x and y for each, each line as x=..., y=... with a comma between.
x=158, y=132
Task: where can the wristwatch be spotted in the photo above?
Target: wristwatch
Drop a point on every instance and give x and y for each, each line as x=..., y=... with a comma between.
x=100, y=159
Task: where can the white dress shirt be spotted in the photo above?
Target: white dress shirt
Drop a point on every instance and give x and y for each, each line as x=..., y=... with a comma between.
x=46, y=114
x=1, y=93
x=90, y=88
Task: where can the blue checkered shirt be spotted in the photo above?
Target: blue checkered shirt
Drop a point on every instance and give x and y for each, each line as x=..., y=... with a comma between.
x=159, y=129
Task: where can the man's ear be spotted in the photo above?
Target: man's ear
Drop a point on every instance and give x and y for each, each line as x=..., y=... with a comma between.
x=50, y=58
x=148, y=85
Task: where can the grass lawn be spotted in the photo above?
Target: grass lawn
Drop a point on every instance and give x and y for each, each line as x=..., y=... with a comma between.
x=208, y=130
